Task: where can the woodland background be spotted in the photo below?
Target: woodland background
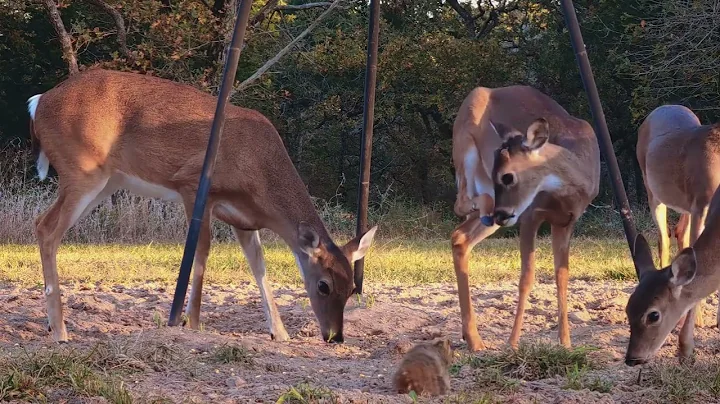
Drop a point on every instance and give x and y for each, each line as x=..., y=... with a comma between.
x=432, y=53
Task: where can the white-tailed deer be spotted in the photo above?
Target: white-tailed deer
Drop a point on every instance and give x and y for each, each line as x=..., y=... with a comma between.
x=680, y=163
x=663, y=297
x=105, y=130
x=520, y=158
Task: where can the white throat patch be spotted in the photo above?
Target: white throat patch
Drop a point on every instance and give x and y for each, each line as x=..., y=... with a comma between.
x=550, y=183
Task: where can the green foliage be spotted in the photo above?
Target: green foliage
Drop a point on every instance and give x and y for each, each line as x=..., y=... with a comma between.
x=430, y=58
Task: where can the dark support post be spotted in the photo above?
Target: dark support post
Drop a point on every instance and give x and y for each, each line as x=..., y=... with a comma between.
x=228, y=79
x=601, y=128
x=366, y=147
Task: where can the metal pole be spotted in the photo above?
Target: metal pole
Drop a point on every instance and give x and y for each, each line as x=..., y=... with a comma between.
x=601, y=128
x=366, y=147
x=209, y=164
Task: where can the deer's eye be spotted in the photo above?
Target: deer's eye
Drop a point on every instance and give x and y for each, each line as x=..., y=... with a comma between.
x=653, y=317
x=508, y=179
x=323, y=288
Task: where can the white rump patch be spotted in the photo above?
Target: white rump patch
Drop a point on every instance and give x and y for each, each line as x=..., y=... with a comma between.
x=43, y=165
x=33, y=104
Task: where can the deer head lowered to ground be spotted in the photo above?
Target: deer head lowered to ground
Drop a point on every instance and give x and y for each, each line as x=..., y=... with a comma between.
x=663, y=296
x=105, y=130
x=680, y=163
x=519, y=158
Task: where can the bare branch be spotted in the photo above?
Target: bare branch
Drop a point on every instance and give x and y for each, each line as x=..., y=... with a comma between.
x=262, y=14
x=285, y=50
x=119, y=24
x=303, y=6
x=466, y=16
x=65, y=39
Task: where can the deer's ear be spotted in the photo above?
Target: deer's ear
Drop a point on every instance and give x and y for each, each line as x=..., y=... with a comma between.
x=356, y=248
x=642, y=256
x=683, y=267
x=537, y=134
x=308, y=238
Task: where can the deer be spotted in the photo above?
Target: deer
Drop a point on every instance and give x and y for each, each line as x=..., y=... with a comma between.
x=519, y=158
x=680, y=164
x=662, y=297
x=106, y=130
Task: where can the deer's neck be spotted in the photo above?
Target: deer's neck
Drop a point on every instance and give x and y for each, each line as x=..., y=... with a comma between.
x=292, y=206
x=707, y=254
x=560, y=164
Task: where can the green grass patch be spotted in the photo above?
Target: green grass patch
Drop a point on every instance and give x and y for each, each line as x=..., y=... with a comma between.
x=236, y=354
x=533, y=361
x=306, y=393
x=32, y=376
x=676, y=383
x=398, y=262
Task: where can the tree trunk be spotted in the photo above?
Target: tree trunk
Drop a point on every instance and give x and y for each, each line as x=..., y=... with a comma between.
x=65, y=39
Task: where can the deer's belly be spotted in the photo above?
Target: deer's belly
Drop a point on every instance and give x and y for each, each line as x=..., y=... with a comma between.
x=667, y=190
x=141, y=187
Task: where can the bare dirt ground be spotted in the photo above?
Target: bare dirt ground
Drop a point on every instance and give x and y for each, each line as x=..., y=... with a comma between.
x=377, y=332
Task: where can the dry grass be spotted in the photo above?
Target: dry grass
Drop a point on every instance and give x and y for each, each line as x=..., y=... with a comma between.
x=136, y=220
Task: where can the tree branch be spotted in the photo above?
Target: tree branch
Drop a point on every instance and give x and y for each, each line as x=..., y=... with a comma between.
x=466, y=16
x=119, y=24
x=306, y=6
x=65, y=39
x=262, y=14
x=285, y=50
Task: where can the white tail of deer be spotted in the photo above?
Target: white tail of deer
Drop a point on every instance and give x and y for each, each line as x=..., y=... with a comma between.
x=681, y=169
x=520, y=158
x=103, y=131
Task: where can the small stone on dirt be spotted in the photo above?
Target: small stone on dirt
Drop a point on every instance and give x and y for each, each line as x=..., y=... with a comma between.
x=235, y=381
x=579, y=317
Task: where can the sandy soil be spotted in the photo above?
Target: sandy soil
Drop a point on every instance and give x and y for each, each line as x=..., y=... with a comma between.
x=360, y=370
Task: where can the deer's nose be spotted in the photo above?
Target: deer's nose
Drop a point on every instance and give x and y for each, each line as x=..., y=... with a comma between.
x=502, y=217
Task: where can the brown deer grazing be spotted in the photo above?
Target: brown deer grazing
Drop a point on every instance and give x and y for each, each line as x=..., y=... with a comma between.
x=520, y=158
x=663, y=297
x=680, y=163
x=105, y=130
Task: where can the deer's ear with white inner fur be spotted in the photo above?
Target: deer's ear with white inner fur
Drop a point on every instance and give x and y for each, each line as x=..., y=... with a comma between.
x=683, y=268
x=308, y=239
x=642, y=256
x=537, y=134
x=356, y=248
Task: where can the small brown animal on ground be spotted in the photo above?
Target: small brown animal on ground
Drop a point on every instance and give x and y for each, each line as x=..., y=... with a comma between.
x=424, y=369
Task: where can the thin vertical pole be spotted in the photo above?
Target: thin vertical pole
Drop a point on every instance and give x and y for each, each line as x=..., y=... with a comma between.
x=366, y=147
x=603, y=134
x=209, y=163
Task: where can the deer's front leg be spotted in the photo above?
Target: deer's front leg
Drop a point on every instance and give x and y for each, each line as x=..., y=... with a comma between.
x=250, y=242
x=464, y=238
x=697, y=224
x=561, y=257
x=686, y=339
x=528, y=230
x=201, y=255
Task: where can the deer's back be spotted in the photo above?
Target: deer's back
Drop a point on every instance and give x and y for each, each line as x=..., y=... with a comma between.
x=146, y=126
